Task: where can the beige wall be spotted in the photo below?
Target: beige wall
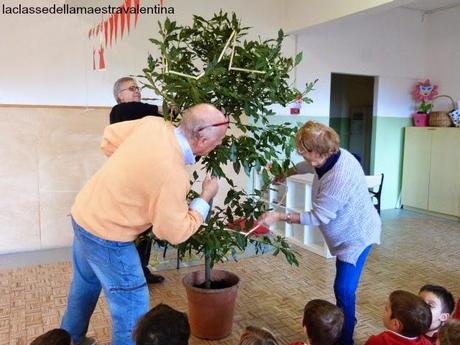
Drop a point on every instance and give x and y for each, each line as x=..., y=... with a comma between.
x=47, y=154
x=61, y=73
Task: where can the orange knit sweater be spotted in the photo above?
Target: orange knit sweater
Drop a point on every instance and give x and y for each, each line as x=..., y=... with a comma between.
x=143, y=182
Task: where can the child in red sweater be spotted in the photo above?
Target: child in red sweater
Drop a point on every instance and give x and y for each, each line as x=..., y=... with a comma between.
x=322, y=323
x=457, y=311
x=442, y=305
x=407, y=318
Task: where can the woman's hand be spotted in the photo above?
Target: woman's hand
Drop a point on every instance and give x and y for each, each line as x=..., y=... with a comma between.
x=270, y=218
x=280, y=179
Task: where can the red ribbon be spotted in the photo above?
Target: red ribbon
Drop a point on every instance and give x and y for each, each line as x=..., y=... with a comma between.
x=122, y=14
x=106, y=32
x=111, y=30
x=101, y=58
x=128, y=13
x=137, y=4
x=115, y=22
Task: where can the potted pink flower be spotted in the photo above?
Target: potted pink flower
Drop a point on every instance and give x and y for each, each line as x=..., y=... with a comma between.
x=424, y=92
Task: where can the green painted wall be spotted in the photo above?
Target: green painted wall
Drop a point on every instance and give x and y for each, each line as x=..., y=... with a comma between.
x=387, y=157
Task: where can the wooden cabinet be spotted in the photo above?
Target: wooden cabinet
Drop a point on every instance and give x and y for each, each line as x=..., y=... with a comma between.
x=431, y=169
x=416, y=169
x=444, y=189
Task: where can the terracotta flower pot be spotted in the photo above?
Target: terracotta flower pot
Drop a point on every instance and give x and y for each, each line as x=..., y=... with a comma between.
x=211, y=310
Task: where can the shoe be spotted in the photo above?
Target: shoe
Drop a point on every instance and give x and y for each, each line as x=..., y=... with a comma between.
x=88, y=341
x=154, y=278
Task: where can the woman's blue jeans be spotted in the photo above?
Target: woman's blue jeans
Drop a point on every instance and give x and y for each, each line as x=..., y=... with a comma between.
x=115, y=267
x=345, y=286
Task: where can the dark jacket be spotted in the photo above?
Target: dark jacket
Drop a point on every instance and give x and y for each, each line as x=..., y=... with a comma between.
x=132, y=111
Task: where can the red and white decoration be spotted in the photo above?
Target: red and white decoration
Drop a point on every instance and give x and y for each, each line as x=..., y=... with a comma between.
x=105, y=34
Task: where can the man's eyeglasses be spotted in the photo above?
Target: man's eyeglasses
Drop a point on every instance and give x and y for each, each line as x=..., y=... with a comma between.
x=132, y=88
x=214, y=125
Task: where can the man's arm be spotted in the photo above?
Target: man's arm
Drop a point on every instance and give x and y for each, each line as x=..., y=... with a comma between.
x=171, y=216
x=176, y=222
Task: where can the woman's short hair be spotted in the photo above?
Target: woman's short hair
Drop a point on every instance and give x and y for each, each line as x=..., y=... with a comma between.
x=314, y=136
x=257, y=336
x=323, y=321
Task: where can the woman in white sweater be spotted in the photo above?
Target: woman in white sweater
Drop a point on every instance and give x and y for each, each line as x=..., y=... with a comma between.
x=342, y=208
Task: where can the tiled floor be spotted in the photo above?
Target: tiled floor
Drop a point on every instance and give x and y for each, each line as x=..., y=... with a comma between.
x=415, y=250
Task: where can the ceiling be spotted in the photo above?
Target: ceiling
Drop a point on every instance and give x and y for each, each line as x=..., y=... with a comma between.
x=431, y=6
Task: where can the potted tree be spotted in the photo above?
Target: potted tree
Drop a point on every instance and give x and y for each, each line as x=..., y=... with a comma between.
x=208, y=62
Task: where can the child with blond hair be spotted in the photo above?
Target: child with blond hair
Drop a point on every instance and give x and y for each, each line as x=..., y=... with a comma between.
x=449, y=333
x=257, y=336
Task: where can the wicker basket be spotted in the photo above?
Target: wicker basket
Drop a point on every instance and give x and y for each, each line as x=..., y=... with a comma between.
x=441, y=118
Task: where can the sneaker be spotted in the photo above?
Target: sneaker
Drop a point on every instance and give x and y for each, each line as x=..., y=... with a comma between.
x=88, y=341
x=154, y=278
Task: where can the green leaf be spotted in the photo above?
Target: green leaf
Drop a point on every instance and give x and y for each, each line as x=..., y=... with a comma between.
x=298, y=58
x=265, y=177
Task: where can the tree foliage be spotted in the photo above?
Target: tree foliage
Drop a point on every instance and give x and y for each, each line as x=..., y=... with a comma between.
x=193, y=68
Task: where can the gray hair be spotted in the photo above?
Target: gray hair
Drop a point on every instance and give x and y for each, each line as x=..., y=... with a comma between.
x=117, y=86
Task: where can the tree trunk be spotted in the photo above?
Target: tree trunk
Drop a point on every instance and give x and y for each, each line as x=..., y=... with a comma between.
x=208, y=256
x=207, y=270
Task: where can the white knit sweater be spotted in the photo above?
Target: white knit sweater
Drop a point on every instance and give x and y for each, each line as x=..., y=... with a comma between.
x=343, y=209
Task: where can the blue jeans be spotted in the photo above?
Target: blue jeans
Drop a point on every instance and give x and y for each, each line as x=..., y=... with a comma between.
x=114, y=267
x=345, y=285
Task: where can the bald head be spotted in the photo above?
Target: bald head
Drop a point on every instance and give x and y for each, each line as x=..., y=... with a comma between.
x=204, y=126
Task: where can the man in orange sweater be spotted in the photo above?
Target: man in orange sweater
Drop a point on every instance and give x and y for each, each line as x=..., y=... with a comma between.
x=143, y=182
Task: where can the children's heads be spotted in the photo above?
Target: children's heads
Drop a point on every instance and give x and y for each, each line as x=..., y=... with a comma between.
x=323, y=322
x=441, y=303
x=257, y=336
x=56, y=336
x=407, y=314
x=162, y=325
x=449, y=333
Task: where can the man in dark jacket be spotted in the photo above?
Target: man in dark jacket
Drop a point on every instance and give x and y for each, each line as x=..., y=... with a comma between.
x=128, y=95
